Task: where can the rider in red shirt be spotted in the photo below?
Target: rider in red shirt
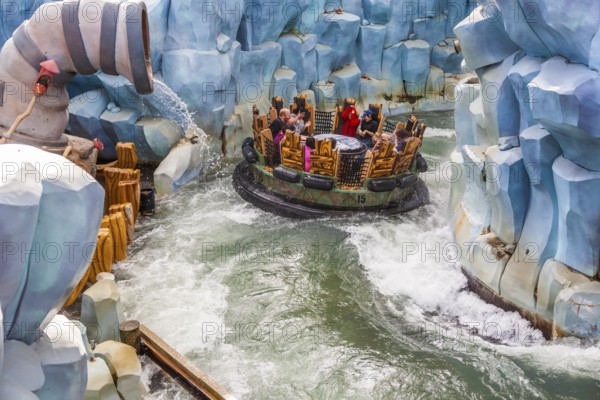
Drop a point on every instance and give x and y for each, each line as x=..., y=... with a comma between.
x=351, y=121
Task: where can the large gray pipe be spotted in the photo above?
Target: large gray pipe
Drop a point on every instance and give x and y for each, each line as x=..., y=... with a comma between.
x=82, y=36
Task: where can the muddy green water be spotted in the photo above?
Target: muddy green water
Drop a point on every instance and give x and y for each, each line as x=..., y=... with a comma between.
x=360, y=308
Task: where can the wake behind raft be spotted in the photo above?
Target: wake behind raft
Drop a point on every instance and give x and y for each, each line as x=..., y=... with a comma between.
x=345, y=178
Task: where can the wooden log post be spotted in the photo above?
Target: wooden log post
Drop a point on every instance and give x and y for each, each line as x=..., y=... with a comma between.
x=127, y=209
x=130, y=334
x=118, y=228
x=126, y=155
x=128, y=191
x=112, y=177
x=103, y=255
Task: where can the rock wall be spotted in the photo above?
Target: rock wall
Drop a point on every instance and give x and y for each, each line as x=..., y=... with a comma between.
x=216, y=55
x=523, y=204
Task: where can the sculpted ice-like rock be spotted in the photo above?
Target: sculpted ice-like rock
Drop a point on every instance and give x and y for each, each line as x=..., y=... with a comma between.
x=431, y=8
x=554, y=277
x=577, y=310
x=377, y=11
x=100, y=385
x=300, y=54
x=201, y=79
x=120, y=125
x=285, y=85
x=326, y=94
x=445, y=57
x=521, y=74
x=488, y=260
x=354, y=7
x=258, y=65
x=125, y=366
x=578, y=216
x=64, y=360
x=538, y=238
x=565, y=27
x=324, y=61
x=101, y=311
x=339, y=31
x=465, y=92
x=481, y=129
x=9, y=390
x=373, y=91
x=435, y=81
x=369, y=47
x=268, y=19
x=154, y=137
x=391, y=68
x=431, y=30
x=507, y=185
x=415, y=66
x=483, y=39
x=347, y=82
x=566, y=105
x=183, y=163
x=402, y=13
x=158, y=16
x=84, y=120
x=64, y=240
x=193, y=24
x=23, y=366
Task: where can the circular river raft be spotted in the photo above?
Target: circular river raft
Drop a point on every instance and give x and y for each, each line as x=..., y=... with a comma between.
x=345, y=178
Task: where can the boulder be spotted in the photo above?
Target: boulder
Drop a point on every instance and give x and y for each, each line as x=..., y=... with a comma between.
x=377, y=11
x=22, y=366
x=369, y=47
x=120, y=125
x=483, y=39
x=326, y=95
x=202, y=80
x=354, y=7
x=431, y=8
x=445, y=57
x=100, y=385
x=58, y=211
x=64, y=360
x=258, y=65
x=10, y=390
x=299, y=53
x=554, y=277
x=538, y=238
x=415, y=56
x=577, y=310
x=154, y=137
x=347, y=82
x=85, y=111
x=324, y=61
x=125, y=367
x=488, y=259
x=373, y=91
x=431, y=30
x=565, y=103
x=507, y=185
x=183, y=164
x=435, y=82
x=402, y=13
x=391, y=67
x=521, y=74
x=102, y=311
x=338, y=31
x=193, y=24
x=285, y=85
x=465, y=92
x=158, y=16
x=578, y=216
x=267, y=19
x=566, y=28
x=475, y=200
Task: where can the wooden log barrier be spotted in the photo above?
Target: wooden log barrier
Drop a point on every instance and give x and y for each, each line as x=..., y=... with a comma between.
x=195, y=381
x=118, y=228
x=103, y=255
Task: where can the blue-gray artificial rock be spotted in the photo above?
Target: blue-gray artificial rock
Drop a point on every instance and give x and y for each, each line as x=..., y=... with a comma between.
x=338, y=31
x=347, y=82
x=300, y=54
x=369, y=48
x=415, y=56
x=324, y=61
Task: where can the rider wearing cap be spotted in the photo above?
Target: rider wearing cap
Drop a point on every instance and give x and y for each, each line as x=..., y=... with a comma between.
x=368, y=128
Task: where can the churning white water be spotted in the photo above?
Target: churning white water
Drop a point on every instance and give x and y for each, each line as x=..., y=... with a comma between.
x=359, y=308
